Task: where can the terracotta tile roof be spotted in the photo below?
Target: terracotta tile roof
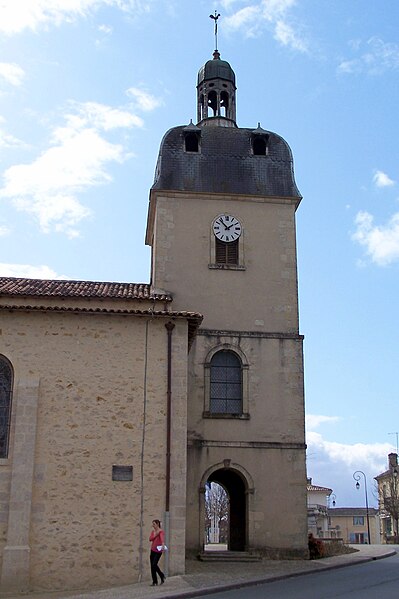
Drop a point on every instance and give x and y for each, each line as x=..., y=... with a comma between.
x=12, y=286
x=385, y=474
x=196, y=316
x=317, y=488
x=352, y=511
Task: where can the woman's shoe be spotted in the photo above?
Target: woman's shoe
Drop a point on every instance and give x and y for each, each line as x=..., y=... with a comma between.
x=154, y=584
x=163, y=579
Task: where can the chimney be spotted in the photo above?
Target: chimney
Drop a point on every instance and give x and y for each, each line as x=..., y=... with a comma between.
x=392, y=460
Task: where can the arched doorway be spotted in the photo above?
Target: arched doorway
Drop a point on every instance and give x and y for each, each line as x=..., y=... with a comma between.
x=235, y=488
x=217, y=517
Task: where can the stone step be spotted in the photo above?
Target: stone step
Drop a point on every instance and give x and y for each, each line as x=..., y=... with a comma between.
x=228, y=556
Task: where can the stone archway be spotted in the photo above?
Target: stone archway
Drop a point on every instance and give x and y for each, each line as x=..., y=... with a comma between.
x=239, y=485
x=236, y=490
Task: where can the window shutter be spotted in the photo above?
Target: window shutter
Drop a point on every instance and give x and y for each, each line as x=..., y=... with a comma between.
x=232, y=252
x=220, y=252
x=226, y=253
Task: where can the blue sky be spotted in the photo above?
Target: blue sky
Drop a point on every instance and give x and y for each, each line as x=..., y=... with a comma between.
x=89, y=87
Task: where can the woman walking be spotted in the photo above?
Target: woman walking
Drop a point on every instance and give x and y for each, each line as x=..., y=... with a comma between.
x=157, y=540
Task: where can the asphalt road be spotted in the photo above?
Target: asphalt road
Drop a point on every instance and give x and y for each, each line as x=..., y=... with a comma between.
x=373, y=580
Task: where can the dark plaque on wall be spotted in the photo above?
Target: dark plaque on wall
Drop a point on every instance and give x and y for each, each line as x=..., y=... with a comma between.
x=122, y=473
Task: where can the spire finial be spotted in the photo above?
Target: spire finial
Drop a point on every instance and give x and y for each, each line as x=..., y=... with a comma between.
x=215, y=18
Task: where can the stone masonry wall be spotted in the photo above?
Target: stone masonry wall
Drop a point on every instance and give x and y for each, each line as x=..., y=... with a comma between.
x=102, y=379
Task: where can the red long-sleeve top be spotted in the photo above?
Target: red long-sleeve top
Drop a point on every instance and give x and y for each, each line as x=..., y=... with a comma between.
x=157, y=538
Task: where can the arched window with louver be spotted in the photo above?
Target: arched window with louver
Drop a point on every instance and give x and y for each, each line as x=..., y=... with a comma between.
x=226, y=383
x=6, y=380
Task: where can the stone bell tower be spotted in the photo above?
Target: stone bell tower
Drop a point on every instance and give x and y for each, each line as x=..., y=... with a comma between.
x=221, y=225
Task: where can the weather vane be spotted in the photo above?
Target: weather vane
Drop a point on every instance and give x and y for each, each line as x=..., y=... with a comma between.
x=215, y=18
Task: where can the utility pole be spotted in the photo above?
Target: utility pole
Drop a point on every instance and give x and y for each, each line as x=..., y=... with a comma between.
x=397, y=441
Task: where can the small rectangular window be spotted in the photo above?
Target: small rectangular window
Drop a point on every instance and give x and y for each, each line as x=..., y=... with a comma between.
x=191, y=142
x=358, y=520
x=259, y=145
x=388, y=526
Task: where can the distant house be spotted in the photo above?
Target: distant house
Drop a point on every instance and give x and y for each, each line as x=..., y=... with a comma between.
x=388, y=500
x=350, y=524
x=317, y=504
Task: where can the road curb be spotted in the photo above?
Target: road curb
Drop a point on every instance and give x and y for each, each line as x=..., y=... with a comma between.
x=189, y=594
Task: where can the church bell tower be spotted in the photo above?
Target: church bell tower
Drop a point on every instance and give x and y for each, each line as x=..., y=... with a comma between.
x=221, y=225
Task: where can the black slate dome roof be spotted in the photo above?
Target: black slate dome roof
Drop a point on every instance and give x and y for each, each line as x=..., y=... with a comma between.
x=216, y=69
x=225, y=163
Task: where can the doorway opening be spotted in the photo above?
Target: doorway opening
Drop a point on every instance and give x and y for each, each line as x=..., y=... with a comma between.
x=225, y=511
x=217, y=515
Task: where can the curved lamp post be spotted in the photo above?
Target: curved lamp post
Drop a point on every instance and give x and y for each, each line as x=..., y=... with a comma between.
x=395, y=498
x=356, y=476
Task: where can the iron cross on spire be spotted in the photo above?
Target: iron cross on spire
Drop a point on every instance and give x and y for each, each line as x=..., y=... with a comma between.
x=215, y=18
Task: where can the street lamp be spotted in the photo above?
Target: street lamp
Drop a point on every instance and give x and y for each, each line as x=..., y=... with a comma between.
x=395, y=499
x=356, y=476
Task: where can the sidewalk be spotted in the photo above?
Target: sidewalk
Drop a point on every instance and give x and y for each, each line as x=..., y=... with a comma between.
x=205, y=577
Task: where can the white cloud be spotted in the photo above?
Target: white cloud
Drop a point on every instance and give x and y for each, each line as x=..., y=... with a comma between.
x=4, y=230
x=107, y=29
x=9, y=141
x=333, y=464
x=76, y=161
x=381, y=179
x=245, y=17
x=373, y=454
x=11, y=73
x=273, y=9
x=18, y=15
x=29, y=271
x=348, y=66
x=143, y=100
x=377, y=57
x=381, y=242
x=314, y=421
x=276, y=14
x=228, y=3
x=46, y=186
x=285, y=34
x=99, y=116
x=341, y=452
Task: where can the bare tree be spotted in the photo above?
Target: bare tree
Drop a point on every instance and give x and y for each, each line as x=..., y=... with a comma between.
x=390, y=498
x=216, y=505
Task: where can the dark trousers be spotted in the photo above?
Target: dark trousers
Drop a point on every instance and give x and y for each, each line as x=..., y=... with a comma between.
x=154, y=559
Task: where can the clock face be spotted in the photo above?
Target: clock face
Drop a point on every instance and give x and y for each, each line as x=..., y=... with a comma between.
x=226, y=227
